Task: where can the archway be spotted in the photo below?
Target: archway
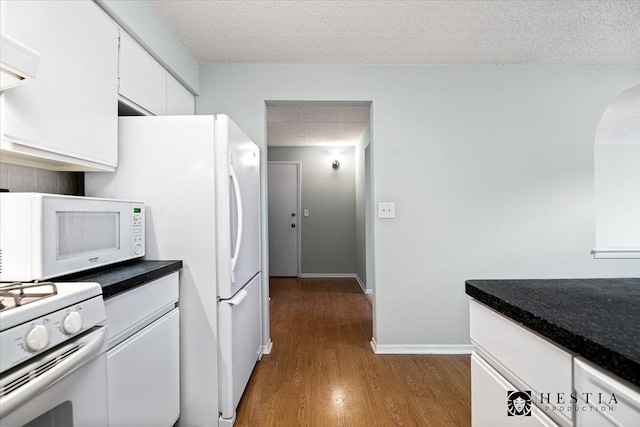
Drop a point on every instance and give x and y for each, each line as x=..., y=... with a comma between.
x=617, y=178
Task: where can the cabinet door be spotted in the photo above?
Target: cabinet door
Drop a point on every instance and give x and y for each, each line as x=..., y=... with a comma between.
x=144, y=376
x=143, y=80
x=489, y=400
x=68, y=113
x=179, y=100
x=523, y=357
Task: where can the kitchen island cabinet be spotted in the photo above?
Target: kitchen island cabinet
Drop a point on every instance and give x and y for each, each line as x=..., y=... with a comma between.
x=571, y=343
x=66, y=117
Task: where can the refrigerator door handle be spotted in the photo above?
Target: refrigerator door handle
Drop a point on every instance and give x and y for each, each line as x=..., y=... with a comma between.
x=237, y=298
x=236, y=252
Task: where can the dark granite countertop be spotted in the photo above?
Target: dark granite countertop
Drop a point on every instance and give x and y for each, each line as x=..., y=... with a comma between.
x=598, y=319
x=119, y=278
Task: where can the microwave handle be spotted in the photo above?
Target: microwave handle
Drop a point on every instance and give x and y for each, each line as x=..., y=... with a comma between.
x=92, y=346
x=236, y=251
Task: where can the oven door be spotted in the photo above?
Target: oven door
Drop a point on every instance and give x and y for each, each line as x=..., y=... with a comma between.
x=66, y=386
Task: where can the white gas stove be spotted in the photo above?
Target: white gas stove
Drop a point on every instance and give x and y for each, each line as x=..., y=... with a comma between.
x=48, y=332
x=37, y=316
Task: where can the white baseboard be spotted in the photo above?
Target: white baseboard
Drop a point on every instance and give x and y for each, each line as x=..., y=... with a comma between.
x=421, y=348
x=328, y=276
x=362, y=285
x=338, y=276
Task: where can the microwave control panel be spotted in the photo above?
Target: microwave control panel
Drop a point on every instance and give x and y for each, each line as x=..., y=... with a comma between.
x=138, y=229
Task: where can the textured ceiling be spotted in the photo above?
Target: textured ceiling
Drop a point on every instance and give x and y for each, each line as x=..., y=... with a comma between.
x=456, y=32
x=315, y=124
x=450, y=32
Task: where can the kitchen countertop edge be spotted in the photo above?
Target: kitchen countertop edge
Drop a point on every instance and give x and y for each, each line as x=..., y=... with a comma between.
x=119, y=278
x=597, y=353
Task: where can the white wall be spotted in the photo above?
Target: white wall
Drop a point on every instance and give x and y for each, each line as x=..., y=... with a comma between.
x=491, y=169
x=617, y=178
x=361, y=220
x=329, y=232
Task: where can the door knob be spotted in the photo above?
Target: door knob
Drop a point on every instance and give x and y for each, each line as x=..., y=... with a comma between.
x=293, y=214
x=293, y=226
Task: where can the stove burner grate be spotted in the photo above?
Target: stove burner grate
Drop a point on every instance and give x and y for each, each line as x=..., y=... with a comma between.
x=17, y=294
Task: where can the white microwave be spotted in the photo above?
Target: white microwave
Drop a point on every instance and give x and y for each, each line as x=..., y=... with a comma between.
x=48, y=235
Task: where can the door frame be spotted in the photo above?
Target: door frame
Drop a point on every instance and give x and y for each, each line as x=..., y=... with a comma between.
x=297, y=163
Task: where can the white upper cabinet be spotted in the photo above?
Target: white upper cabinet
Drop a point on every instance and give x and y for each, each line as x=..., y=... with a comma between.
x=147, y=86
x=179, y=100
x=66, y=117
x=143, y=81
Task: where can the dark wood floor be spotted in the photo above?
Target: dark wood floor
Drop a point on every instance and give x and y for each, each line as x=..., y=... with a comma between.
x=322, y=371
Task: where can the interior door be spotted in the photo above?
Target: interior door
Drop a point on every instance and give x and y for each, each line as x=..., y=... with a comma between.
x=284, y=224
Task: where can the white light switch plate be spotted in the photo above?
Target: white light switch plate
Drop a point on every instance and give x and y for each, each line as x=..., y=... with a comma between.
x=386, y=210
x=305, y=212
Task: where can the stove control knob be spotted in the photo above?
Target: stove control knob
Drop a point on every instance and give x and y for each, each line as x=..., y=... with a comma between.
x=37, y=338
x=72, y=323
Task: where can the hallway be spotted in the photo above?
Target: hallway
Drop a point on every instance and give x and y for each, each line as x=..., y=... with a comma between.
x=322, y=371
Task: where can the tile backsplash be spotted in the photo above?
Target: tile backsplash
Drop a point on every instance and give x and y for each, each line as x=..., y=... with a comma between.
x=17, y=178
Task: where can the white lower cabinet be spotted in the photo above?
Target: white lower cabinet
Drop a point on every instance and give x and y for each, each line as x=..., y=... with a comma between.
x=144, y=378
x=525, y=361
x=490, y=403
x=611, y=401
x=566, y=390
x=143, y=360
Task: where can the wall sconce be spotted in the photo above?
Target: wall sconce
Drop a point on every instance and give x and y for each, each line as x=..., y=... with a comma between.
x=335, y=164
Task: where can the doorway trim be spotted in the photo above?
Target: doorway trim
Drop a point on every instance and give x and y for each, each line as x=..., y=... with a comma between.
x=299, y=197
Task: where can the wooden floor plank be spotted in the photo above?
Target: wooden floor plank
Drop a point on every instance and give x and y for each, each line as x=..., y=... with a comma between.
x=322, y=371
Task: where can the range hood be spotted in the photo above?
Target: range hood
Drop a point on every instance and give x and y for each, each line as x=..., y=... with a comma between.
x=18, y=62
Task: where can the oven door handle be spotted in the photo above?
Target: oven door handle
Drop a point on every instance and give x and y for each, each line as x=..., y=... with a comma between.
x=80, y=352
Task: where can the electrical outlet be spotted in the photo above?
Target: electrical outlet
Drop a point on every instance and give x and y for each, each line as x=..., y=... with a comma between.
x=305, y=212
x=386, y=210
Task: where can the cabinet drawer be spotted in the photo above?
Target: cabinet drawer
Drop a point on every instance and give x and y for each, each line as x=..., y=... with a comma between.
x=523, y=357
x=611, y=402
x=489, y=400
x=129, y=308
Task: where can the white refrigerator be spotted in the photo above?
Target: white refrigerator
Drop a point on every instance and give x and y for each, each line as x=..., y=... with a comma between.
x=199, y=177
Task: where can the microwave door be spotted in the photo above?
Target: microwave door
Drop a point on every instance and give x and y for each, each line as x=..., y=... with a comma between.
x=82, y=235
x=48, y=235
